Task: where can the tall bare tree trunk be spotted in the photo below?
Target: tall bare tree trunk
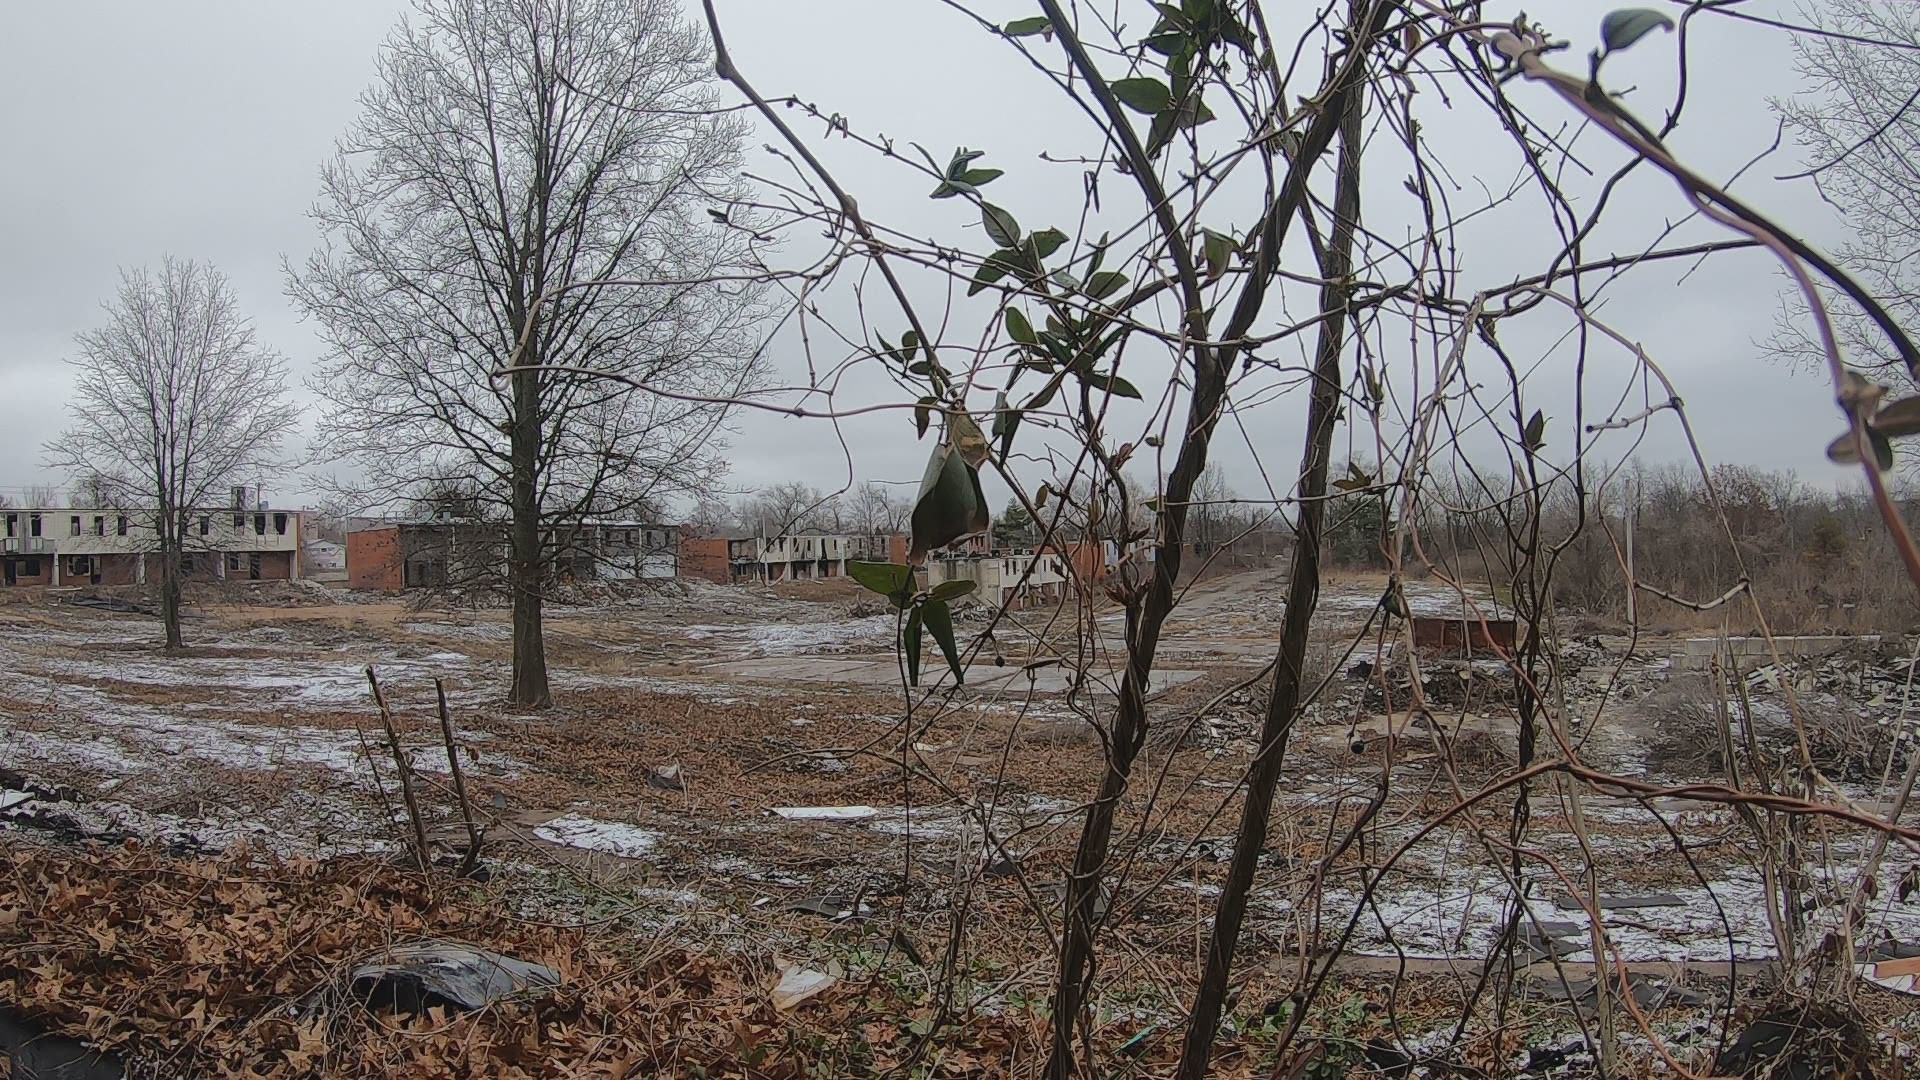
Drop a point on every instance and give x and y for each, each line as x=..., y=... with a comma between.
x=524, y=562
x=1303, y=592
x=170, y=593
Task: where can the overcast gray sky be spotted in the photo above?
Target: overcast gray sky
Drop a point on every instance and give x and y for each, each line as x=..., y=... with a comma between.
x=197, y=129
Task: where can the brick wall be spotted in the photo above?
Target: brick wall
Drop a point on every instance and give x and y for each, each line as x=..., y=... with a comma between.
x=704, y=558
x=43, y=564
x=119, y=569
x=374, y=558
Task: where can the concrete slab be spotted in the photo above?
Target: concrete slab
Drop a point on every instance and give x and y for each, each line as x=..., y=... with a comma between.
x=1697, y=653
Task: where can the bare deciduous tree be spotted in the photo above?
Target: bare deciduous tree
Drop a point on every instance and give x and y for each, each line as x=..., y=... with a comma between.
x=174, y=399
x=794, y=506
x=874, y=510
x=508, y=158
x=1859, y=122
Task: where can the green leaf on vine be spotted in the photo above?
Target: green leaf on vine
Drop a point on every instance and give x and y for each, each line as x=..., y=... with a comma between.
x=1622, y=28
x=1019, y=329
x=1002, y=229
x=1148, y=96
x=1105, y=284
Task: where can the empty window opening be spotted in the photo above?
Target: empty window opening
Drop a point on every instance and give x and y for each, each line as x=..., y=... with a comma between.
x=99, y=525
x=233, y=562
x=120, y=525
x=206, y=524
x=33, y=526
x=74, y=525
x=259, y=524
x=280, y=524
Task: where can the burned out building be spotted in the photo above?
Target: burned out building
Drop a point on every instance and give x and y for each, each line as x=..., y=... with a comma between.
x=1009, y=579
x=437, y=554
x=741, y=557
x=56, y=546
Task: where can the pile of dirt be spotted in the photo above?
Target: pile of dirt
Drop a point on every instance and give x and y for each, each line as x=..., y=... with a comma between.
x=1447, y=683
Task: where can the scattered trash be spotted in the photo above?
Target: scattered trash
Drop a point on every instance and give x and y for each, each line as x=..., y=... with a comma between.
x=414, y=977
x=826, y=813
x=797, y=984
x=10, y=799
x=666, y=778
x=1900, y=975
x=1138, y=1042
x=1001, y=868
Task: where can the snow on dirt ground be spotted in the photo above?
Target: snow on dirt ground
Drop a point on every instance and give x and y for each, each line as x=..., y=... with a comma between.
x=731, y=752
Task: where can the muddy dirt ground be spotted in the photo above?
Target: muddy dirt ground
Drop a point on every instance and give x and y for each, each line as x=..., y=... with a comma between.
x=740, y=769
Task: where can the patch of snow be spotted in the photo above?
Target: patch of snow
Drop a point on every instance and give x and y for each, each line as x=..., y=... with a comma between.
x=826, y=813
x=797, y=639
x=590, y=834
x=460, y=631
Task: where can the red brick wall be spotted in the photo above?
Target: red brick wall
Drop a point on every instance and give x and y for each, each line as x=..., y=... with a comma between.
x=1459, y=635
x=703, y=558
x=374, y=557
x=118, y=569
x=274, y=565
x=45, y=577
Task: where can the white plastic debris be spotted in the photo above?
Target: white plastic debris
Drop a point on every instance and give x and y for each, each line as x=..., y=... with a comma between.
x=797, y=984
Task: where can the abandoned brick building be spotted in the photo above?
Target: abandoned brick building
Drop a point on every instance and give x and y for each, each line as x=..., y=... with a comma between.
x=732, y=557
x=56, y=546
x=388, y=555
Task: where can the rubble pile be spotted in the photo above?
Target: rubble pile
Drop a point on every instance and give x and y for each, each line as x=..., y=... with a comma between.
x=1854, y=706
x=1450, y=683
